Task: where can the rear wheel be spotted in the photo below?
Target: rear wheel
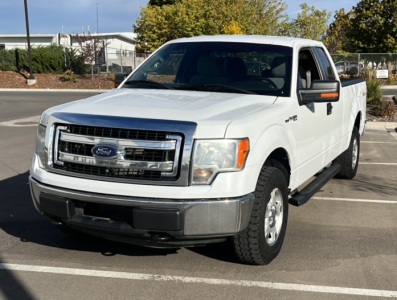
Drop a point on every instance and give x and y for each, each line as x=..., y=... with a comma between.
x=261, y=241
x=350, y=158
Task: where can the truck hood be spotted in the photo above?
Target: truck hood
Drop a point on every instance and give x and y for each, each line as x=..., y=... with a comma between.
x=210, y=110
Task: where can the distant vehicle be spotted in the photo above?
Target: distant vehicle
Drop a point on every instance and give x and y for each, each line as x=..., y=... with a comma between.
x=348, y=67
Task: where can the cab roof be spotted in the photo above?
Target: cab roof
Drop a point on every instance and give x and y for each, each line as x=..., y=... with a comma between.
x=255, y=39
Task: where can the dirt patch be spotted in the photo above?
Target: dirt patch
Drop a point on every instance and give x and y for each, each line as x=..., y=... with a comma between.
x=372, y=115
x=13, y=80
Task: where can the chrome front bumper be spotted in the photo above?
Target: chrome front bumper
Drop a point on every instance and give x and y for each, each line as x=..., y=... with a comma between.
x=201, y=217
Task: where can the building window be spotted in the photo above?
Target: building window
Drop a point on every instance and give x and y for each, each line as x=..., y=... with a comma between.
x=2, y=46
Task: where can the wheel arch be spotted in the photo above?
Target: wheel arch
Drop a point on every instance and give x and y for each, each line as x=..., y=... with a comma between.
x=357, y=122
x=281, y=155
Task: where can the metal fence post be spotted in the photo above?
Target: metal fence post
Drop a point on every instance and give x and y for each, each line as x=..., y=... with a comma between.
x=121, y=60
x=107, y=59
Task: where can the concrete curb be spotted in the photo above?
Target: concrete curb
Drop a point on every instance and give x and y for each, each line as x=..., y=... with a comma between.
x=55, y=90
x=388, y=87
x=381, y=126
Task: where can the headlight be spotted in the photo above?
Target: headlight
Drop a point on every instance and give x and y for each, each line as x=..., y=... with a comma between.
x=40, y=145
x=211, y=157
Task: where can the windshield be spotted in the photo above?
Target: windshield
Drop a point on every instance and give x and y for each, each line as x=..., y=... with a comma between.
x=225, y=67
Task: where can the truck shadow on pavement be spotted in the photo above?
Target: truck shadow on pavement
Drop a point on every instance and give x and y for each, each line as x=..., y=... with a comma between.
x=381, y=186
x=19, y=218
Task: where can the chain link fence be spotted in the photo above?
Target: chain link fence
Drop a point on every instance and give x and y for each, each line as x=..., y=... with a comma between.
x=121, y=60
x=383, y=65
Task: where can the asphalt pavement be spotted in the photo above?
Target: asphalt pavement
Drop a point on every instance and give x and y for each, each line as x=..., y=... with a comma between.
x=341, y=245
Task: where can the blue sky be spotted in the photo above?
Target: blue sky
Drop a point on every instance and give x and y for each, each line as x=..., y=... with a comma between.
x=48, y=16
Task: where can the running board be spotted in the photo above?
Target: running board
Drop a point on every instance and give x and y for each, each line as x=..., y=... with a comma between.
x=313, y=187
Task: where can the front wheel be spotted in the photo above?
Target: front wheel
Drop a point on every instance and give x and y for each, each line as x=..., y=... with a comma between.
x=261, y=241
x=350, y=158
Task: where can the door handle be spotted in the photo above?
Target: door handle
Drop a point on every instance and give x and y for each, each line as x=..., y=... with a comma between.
x=329, y=109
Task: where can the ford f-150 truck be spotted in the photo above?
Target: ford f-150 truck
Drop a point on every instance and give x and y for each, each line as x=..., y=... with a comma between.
x=196, y=146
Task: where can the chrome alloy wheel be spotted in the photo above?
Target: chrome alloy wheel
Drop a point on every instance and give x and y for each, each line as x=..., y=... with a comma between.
x=354, y=153
x=273, y=217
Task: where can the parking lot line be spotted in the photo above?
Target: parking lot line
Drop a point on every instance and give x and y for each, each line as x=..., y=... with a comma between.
x=356, y=200
x=370, y=142
x=385, y=164
x=211, y=281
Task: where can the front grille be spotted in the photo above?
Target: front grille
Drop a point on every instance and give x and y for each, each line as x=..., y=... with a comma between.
x=118, y=133
x=141, y=154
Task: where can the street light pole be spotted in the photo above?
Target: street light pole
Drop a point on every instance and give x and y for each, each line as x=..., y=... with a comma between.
x=28, y=36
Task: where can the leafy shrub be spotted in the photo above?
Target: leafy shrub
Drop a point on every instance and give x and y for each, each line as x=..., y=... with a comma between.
x=7, y=60
x=111, y=76
x=395, y=99
x=386, y=109
x=76, y=63
x=391, y=80
x=7, y=67
x=367, y=74
x=49, y=59
x=374, y=92
x=69, y=76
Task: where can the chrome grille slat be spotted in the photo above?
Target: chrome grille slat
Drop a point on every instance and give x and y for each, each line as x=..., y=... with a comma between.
x=121, y=143
x=165, y=166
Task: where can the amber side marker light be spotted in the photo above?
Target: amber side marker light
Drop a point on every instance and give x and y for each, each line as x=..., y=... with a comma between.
x=330, y=95
x=243, y=148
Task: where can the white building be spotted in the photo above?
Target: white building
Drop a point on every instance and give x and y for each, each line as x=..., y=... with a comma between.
x=118, y=40
x=119, y=52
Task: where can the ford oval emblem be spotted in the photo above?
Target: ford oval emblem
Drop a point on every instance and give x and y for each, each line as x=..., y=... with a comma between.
x=105, y=151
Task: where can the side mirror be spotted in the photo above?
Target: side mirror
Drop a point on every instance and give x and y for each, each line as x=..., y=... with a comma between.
x=119, y=78
x=320, y=91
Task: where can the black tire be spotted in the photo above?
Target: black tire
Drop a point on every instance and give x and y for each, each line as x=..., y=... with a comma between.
x=278, y=165
x=347, y=158
x=253, y=246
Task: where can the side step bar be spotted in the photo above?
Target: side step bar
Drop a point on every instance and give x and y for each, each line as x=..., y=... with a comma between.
x=313, y=187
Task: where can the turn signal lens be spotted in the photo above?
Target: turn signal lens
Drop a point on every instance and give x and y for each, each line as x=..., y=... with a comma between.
x=243, y=148
x=330, y=95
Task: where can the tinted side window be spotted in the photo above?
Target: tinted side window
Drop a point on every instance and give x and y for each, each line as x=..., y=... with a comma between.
x=307, y=69
x=327, y=69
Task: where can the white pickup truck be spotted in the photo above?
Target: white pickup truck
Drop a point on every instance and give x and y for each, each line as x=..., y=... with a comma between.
x=209, y=139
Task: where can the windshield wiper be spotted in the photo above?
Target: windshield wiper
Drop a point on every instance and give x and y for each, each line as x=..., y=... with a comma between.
x=148, y=83
x=214, y=88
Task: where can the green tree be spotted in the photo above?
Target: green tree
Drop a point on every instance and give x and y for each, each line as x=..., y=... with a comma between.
x=232, y=28
x=336, y=37
x=160, y=24
x=310, y=23
x=373, y=29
